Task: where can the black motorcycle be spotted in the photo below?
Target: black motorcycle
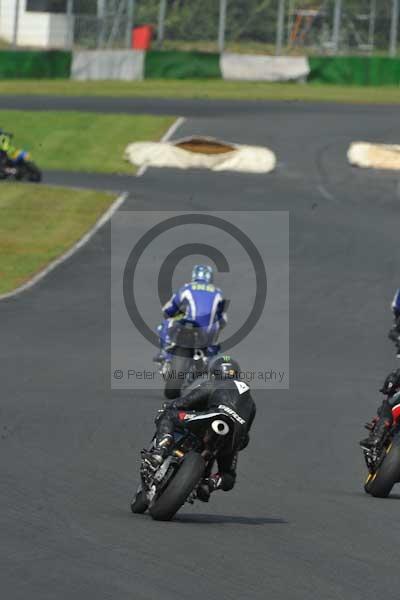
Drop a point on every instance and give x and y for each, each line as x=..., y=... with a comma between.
x=163, y=491
x=20, y=167
x=383, y=463
x=187, y=360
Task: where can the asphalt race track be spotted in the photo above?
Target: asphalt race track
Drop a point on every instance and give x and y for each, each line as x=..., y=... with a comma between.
x=298, y=524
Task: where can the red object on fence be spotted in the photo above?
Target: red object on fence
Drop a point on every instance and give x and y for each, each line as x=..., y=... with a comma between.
x=141, y=37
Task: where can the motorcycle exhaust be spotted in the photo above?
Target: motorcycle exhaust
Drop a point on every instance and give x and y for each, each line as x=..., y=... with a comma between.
x=220, y=427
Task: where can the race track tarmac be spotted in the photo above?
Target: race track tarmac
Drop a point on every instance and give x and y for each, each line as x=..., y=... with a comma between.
x=298, y=525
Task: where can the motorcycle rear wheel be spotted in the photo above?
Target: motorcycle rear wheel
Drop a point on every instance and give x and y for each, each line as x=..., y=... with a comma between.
x=380, y=483
x=174, y=496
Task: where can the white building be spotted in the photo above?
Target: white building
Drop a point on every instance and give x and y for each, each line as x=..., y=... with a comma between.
x=37, y=29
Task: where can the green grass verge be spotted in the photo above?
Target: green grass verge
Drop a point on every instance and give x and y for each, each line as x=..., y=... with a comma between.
x=38, y=224
x=76, y=141
x=212, y=89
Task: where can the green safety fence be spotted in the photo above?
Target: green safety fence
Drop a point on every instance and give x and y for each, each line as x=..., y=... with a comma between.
x=354, y=70
x=24, y=64
x=171, y=64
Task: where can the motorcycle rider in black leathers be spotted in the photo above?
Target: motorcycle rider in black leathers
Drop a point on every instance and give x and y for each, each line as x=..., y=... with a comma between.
x=223, y=387
x=384, y=419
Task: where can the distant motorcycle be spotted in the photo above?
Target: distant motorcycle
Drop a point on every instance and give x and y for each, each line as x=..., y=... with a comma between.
x=383, y=462
x=19, y=166
x=163, y=491
x=187, y=358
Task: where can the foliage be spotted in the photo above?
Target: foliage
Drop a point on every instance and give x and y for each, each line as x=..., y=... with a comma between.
x=255, y=20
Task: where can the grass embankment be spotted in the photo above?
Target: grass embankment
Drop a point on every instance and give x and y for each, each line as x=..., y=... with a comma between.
x=206, y=89
x=75, y=141
x=38, y=224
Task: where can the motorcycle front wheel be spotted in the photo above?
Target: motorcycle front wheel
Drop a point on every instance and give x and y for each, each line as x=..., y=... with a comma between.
x=139, y=503
x=34, y=173
x=28, y=170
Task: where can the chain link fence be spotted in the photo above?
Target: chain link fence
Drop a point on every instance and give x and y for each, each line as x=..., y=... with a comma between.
x=358, y=27
x=254, y=26
x=107, y=26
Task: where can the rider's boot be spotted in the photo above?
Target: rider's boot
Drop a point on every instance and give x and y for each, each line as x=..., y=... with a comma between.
x=207, y=486
x=379, y=428
x=160, y=357
x=156, y=456
x=203, y=491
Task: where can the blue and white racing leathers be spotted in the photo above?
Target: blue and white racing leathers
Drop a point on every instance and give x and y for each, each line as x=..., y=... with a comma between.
x=200, y=304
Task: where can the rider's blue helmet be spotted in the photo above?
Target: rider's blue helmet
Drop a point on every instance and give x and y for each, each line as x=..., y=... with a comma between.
x=396, y=302
x=203, y=273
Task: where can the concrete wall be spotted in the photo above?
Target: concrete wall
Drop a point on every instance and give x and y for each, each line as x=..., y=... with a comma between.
x=39, y=29
x=108, y=64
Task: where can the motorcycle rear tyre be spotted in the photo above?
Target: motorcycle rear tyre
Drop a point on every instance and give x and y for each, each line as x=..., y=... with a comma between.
x=176, y=493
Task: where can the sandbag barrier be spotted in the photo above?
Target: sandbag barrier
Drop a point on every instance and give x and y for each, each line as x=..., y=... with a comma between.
x=374, y=156
x=202, y=153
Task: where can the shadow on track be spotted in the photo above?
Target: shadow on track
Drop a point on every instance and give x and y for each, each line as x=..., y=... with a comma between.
x=392, y=497
x=204, y=518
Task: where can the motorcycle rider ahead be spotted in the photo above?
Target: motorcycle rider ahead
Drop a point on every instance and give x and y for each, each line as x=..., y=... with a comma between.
x=224, y=387
x=199, y=303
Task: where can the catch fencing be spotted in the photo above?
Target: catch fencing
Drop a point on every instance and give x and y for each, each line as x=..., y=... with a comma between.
x=249, y=26
x=281, y=27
